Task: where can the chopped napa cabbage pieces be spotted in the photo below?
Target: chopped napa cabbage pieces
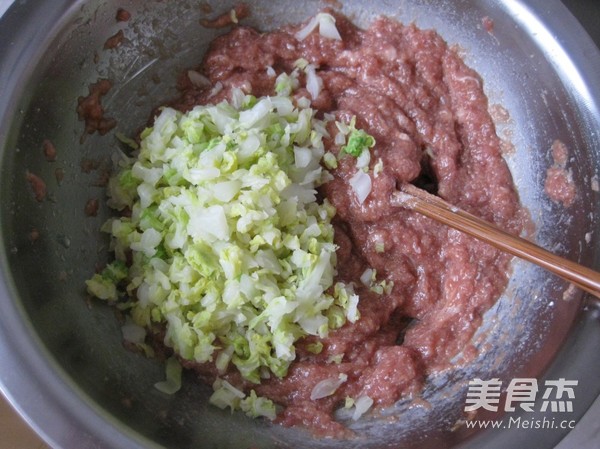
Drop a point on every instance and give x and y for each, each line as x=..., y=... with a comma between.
x=172, y=384
x=359, y=141
x=224, y=243
x=226, y=395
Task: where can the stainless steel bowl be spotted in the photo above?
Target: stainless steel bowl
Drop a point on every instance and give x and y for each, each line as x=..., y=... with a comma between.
x=62, y=362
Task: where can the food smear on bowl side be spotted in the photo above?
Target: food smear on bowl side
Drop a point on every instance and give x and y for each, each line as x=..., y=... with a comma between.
x=91, y=111
x=115, y=40
x=49, y=150
x=38, y=186
x=559, y=184
x=389, y=104
x=59, y=175
x=91, y=207
x=488, y=24
x=122, y=15
x=232, y=17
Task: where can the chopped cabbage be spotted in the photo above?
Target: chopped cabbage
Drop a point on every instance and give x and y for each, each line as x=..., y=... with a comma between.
x=326, y=24
x=255, y=406
x=327, y=387
x=358, y=141
x=361, y=185
x=224, y=243
x=361, y=406
x=172, y=384
x=226, y=395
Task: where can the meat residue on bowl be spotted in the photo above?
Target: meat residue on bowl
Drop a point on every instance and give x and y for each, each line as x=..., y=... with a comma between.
x=122, y=15
x=38, y=186
x=488, y=24
x=429, y=116
x=49, y=150
x=559, y=185
x=91, y=207
x=114, y=41
x=231, y=17
x=91, y=111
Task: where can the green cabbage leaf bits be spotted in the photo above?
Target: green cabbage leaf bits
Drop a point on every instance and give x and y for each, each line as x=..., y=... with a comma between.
x=226, y=245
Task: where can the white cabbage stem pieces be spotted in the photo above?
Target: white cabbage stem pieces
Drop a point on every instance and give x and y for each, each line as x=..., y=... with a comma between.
x=326, y=24
x=224, y=243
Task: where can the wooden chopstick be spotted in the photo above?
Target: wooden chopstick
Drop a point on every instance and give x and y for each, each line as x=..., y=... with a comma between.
x=413, y=198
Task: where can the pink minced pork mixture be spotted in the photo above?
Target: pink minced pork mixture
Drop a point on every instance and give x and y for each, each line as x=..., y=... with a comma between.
x=429, y=115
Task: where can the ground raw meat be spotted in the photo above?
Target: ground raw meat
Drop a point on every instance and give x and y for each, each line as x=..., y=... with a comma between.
x=91, y=207
x=114, y=41
x=38, y=186
x=429, y=116
x=90, y=109
x=122, y=15
x=559, y=185
x=49, y=150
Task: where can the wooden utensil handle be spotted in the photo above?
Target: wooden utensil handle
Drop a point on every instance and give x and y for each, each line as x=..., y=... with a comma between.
x=411, y=197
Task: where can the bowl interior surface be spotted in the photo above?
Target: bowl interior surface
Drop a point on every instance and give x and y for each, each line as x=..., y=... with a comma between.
x=525, y=69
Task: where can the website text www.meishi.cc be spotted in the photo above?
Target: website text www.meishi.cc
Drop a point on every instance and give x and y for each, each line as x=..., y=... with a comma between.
x=521, y=423
x=521, y=393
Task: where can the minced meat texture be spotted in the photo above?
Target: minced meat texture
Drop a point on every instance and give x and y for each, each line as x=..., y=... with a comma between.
x=90, y=109
x=429, y=116
x=559, y=185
